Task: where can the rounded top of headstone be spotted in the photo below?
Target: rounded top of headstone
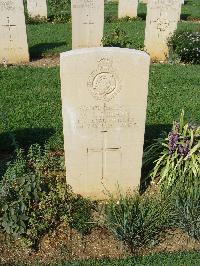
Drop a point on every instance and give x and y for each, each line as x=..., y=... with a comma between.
x=104, y=50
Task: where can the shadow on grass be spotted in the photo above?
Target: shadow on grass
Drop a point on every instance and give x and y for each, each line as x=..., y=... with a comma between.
x=185, y=16
x=38, y=51
x=142, y=15
x=22, y=138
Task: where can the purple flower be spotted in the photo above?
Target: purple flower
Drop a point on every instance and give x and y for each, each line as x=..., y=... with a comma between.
x=173, y=141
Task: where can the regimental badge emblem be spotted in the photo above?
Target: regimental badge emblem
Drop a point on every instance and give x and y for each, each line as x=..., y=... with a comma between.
x=103, y=83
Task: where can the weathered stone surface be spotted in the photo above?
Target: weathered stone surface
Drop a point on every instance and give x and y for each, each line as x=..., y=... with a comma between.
x=104, y=97
x=13, y=44
x=37, y=8
x=127, y=8
x=87, y=23
x=161, y=22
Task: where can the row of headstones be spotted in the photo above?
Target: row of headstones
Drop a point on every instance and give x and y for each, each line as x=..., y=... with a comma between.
x=161, y=21
x=128, y=8
x=87, y=27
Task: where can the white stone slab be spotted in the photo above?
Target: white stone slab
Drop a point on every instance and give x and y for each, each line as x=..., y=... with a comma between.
x=37, y=8
x=13, y=39
x=161, y=22
x=104, y=99
x=127, y=8
x=87, y=23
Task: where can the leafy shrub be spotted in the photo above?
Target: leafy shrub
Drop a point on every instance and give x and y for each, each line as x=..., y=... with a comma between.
x=180, y=155
x=186, y=45
x=187, y=206
x=137, y=220
x=81, y=214
x=34, y=197
x=117, y=38
x=35, y=20
x=129, y=19
x=59, y=10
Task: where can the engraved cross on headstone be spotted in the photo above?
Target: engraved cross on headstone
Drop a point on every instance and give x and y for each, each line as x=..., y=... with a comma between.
x=9, y=25
x=103, y=150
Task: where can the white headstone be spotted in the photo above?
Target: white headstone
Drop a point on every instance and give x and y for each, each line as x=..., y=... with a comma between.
x=104, y=98
x=37, y=8
x=87, y=23
x=161, y=22
x=127, y=8
x=13, y=39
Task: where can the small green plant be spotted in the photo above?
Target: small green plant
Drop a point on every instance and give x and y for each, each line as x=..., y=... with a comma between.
x=34, y=197
x=81, y=214
x=59, y=10
x=186, y=46
x=35, y=20
x=129, y=19
x=180, y=155
x=137, y=220
x=187, y=206
x=118, y=37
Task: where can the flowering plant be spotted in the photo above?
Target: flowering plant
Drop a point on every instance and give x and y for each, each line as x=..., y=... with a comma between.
x=180, y=157
x=186, y=45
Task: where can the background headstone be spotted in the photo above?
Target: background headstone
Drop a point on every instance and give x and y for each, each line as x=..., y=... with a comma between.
x=104, y=98
x=37, y=8
x=161, y=22
x=87, y=23
x=144, y=1
x=127, y=8
x=13, y=38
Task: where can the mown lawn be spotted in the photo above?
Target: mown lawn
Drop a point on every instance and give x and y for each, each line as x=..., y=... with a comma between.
x=179, y=259
x=190, y=10
x=47, y=39
x=31, y=106
x=162, y=259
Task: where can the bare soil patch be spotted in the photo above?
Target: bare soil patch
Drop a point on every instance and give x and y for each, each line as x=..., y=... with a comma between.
x=67, y=244
x=45, y=62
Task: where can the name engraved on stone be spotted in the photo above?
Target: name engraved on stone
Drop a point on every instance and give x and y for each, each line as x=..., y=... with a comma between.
x=163, y=4
x=8, y=5
x=85, y=4
x=103, y=83
x=104, y=117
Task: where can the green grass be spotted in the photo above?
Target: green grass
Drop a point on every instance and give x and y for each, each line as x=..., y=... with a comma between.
x=176, y=259
x=47, y=39
x=31, y=105
x=191, y=10
x=160, y=259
